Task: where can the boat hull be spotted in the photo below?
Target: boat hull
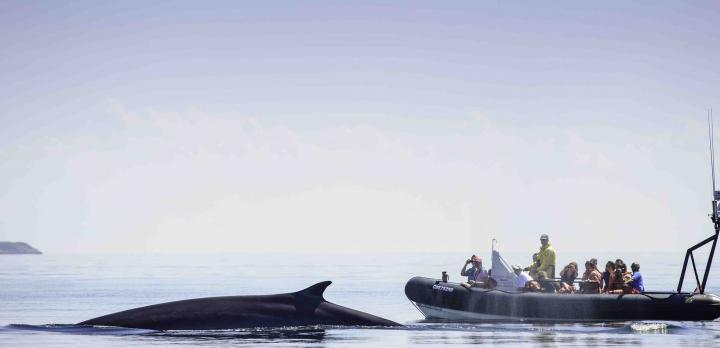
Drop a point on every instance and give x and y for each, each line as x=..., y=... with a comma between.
x=451, y=301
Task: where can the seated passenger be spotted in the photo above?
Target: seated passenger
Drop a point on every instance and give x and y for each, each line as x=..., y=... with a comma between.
x=547, y=284
x=567, y=278
x=475, y=274
x=566, y=288
x=623, y=274
x=609, y=270
x=522, y=277
x=591, y=279
x=613, y=279
x=532, y=286
x=622, y=267
x=569, y=273
x=636, y=283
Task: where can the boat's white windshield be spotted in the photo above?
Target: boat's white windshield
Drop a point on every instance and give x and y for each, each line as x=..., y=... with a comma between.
x=502, y=272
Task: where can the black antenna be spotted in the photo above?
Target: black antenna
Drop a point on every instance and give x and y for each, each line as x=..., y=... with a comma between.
x=711, y=135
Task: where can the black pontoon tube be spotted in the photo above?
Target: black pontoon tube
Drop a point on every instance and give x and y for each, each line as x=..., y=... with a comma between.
x=451, y=301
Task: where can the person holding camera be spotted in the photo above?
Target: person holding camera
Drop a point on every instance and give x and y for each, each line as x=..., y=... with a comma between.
x=476, y=273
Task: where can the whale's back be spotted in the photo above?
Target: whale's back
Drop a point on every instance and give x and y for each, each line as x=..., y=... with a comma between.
x=303, y=308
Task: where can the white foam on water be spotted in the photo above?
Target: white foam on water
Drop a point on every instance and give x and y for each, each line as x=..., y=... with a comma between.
x=650, y=327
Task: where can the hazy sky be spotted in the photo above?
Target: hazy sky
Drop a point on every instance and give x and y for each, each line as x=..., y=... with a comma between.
x=356, y=126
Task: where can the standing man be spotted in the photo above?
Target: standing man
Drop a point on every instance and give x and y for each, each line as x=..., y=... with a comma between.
x=476, y=273
x=546, y=258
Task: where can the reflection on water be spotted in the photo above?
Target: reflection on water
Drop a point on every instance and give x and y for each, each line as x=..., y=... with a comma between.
x=622, y=334
x=420, y=333
x=548, y=339
x=79, y=329
x=294, y=335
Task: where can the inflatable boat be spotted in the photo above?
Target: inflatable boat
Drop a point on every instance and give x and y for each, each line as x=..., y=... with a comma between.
x=438, y=299
x=451, y=301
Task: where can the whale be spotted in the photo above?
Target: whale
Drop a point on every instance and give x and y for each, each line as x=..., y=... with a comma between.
x=306, y=307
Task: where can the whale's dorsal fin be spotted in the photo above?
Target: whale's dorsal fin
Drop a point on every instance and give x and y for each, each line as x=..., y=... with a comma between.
x=316, y=290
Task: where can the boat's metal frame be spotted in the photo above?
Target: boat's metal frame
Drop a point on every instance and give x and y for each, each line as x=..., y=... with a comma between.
x=689, y=255
x=714, y=217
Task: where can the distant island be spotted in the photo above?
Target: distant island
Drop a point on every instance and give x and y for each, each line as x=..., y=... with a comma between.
x=15, y=248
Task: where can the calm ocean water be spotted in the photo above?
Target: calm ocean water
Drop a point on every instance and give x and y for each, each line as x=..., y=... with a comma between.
x=42, y=296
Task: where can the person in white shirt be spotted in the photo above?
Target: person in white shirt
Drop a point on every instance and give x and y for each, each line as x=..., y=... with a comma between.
x=522, y=276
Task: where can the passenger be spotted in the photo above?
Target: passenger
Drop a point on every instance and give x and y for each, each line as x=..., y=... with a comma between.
x=623, y=274
x=546, y=258
x=593, y=262
x=609, y=269
x=547, y=284
x=569, y=273
x=532, y=286
x=622, y=267
x=622, y=279
x=522, y=277
x=475, y=274
x=567, y=277
x=637, y=285
x=591, y=279
x=612, y=279
x=566, y=288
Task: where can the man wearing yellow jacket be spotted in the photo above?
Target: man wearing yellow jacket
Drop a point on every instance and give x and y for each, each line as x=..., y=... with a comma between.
x=546, y=258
